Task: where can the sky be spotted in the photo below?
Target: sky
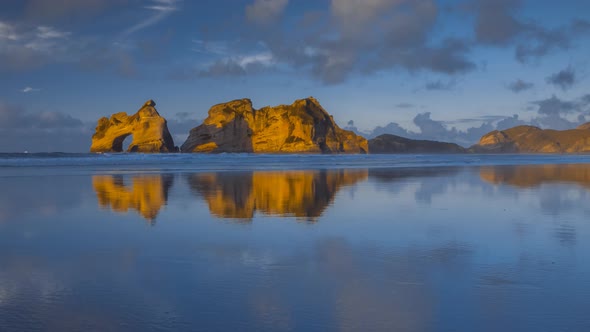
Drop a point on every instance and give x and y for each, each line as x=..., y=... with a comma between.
x=449, y=70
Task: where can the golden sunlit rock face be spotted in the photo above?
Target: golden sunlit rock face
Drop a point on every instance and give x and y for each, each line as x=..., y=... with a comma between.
x=302, y=127
x=301, y=194
x=529, y=139
x=146, y=194
x=535, y=175
x=149, y=130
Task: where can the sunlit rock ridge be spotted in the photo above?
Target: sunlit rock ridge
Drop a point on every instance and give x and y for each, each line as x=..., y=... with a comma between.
x=302, y=127
x=530, y=139
x=149, y=130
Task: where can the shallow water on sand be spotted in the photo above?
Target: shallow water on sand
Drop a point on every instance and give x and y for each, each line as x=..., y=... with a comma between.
x=353, y=248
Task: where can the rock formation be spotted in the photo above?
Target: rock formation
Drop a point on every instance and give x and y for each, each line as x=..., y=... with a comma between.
x=302, y=127
x=149, y=130
x=301, y=194
x=529, y=139
x=387, y=143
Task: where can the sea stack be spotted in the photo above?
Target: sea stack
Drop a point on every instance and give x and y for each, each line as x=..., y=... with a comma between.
x=149, y=130
x=302, y=127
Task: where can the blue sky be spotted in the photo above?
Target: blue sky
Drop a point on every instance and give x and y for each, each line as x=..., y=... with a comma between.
x=446, y=70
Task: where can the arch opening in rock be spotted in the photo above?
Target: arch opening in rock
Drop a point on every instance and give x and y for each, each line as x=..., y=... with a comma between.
x=121, y=143
x=127, y=141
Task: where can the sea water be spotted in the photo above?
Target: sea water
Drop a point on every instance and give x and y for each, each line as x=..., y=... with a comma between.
x=185, y=242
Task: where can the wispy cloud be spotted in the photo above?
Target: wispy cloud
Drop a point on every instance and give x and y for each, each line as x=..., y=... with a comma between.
x=23, y=47
x=29, y=89
x=46, y=32
x=7, y=31
x=160, y=8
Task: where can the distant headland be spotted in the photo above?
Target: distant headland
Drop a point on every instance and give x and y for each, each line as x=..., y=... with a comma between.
x=305, y=127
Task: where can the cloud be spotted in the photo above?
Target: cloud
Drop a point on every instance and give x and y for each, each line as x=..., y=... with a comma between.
x=7, y=32
x=45, y=32
x=29, y=89
x=23, y=47
x=366, y=37
x=16, y=118
x=265, y=11
x=404, y=105
x=497, y=23
x=49, y=11
x=556, y=113
x=181, y=124
x=240, y=65
x=160, y=8
x=46, y=131
x=237, y=65
x=439, y=85
x=520, y=86
x=563, y=79
x=551, y=113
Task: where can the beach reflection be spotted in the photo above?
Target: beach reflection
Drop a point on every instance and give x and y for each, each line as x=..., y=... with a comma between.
x=146, y=194
x=301, y=194
x=534, y=175
x=415, y=249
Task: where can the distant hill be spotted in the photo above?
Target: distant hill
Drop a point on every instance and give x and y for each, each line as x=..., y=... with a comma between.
x=387, y=143
x=530, y=139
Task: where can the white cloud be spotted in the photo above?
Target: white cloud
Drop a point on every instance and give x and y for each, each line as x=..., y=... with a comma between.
x=211, y=47
x=7, y=31
x=265, y=59
x=162, y=9
x=45, y=32
x=29, y=89
x=23, y=46
x=265, y=11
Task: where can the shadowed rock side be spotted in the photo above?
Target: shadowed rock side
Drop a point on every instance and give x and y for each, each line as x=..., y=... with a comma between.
x=149, y=130
x=301, y=194
x=387, y=143
x=529, y=139
x=302, y=127
x=146, y=194
x=528, y=176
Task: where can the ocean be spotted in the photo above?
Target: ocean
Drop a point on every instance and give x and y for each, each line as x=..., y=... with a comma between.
x=241, y=242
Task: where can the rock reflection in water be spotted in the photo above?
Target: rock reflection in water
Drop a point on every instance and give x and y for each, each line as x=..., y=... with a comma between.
x=146, y=194
x=525, y=176
x=301, y=194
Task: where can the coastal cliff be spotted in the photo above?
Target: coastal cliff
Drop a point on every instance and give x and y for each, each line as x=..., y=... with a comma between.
x=302, y=127
x=530, y=139
x=149, y=130
x=387, y=143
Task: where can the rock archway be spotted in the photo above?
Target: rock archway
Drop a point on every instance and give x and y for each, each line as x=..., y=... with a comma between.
x=149, y=130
